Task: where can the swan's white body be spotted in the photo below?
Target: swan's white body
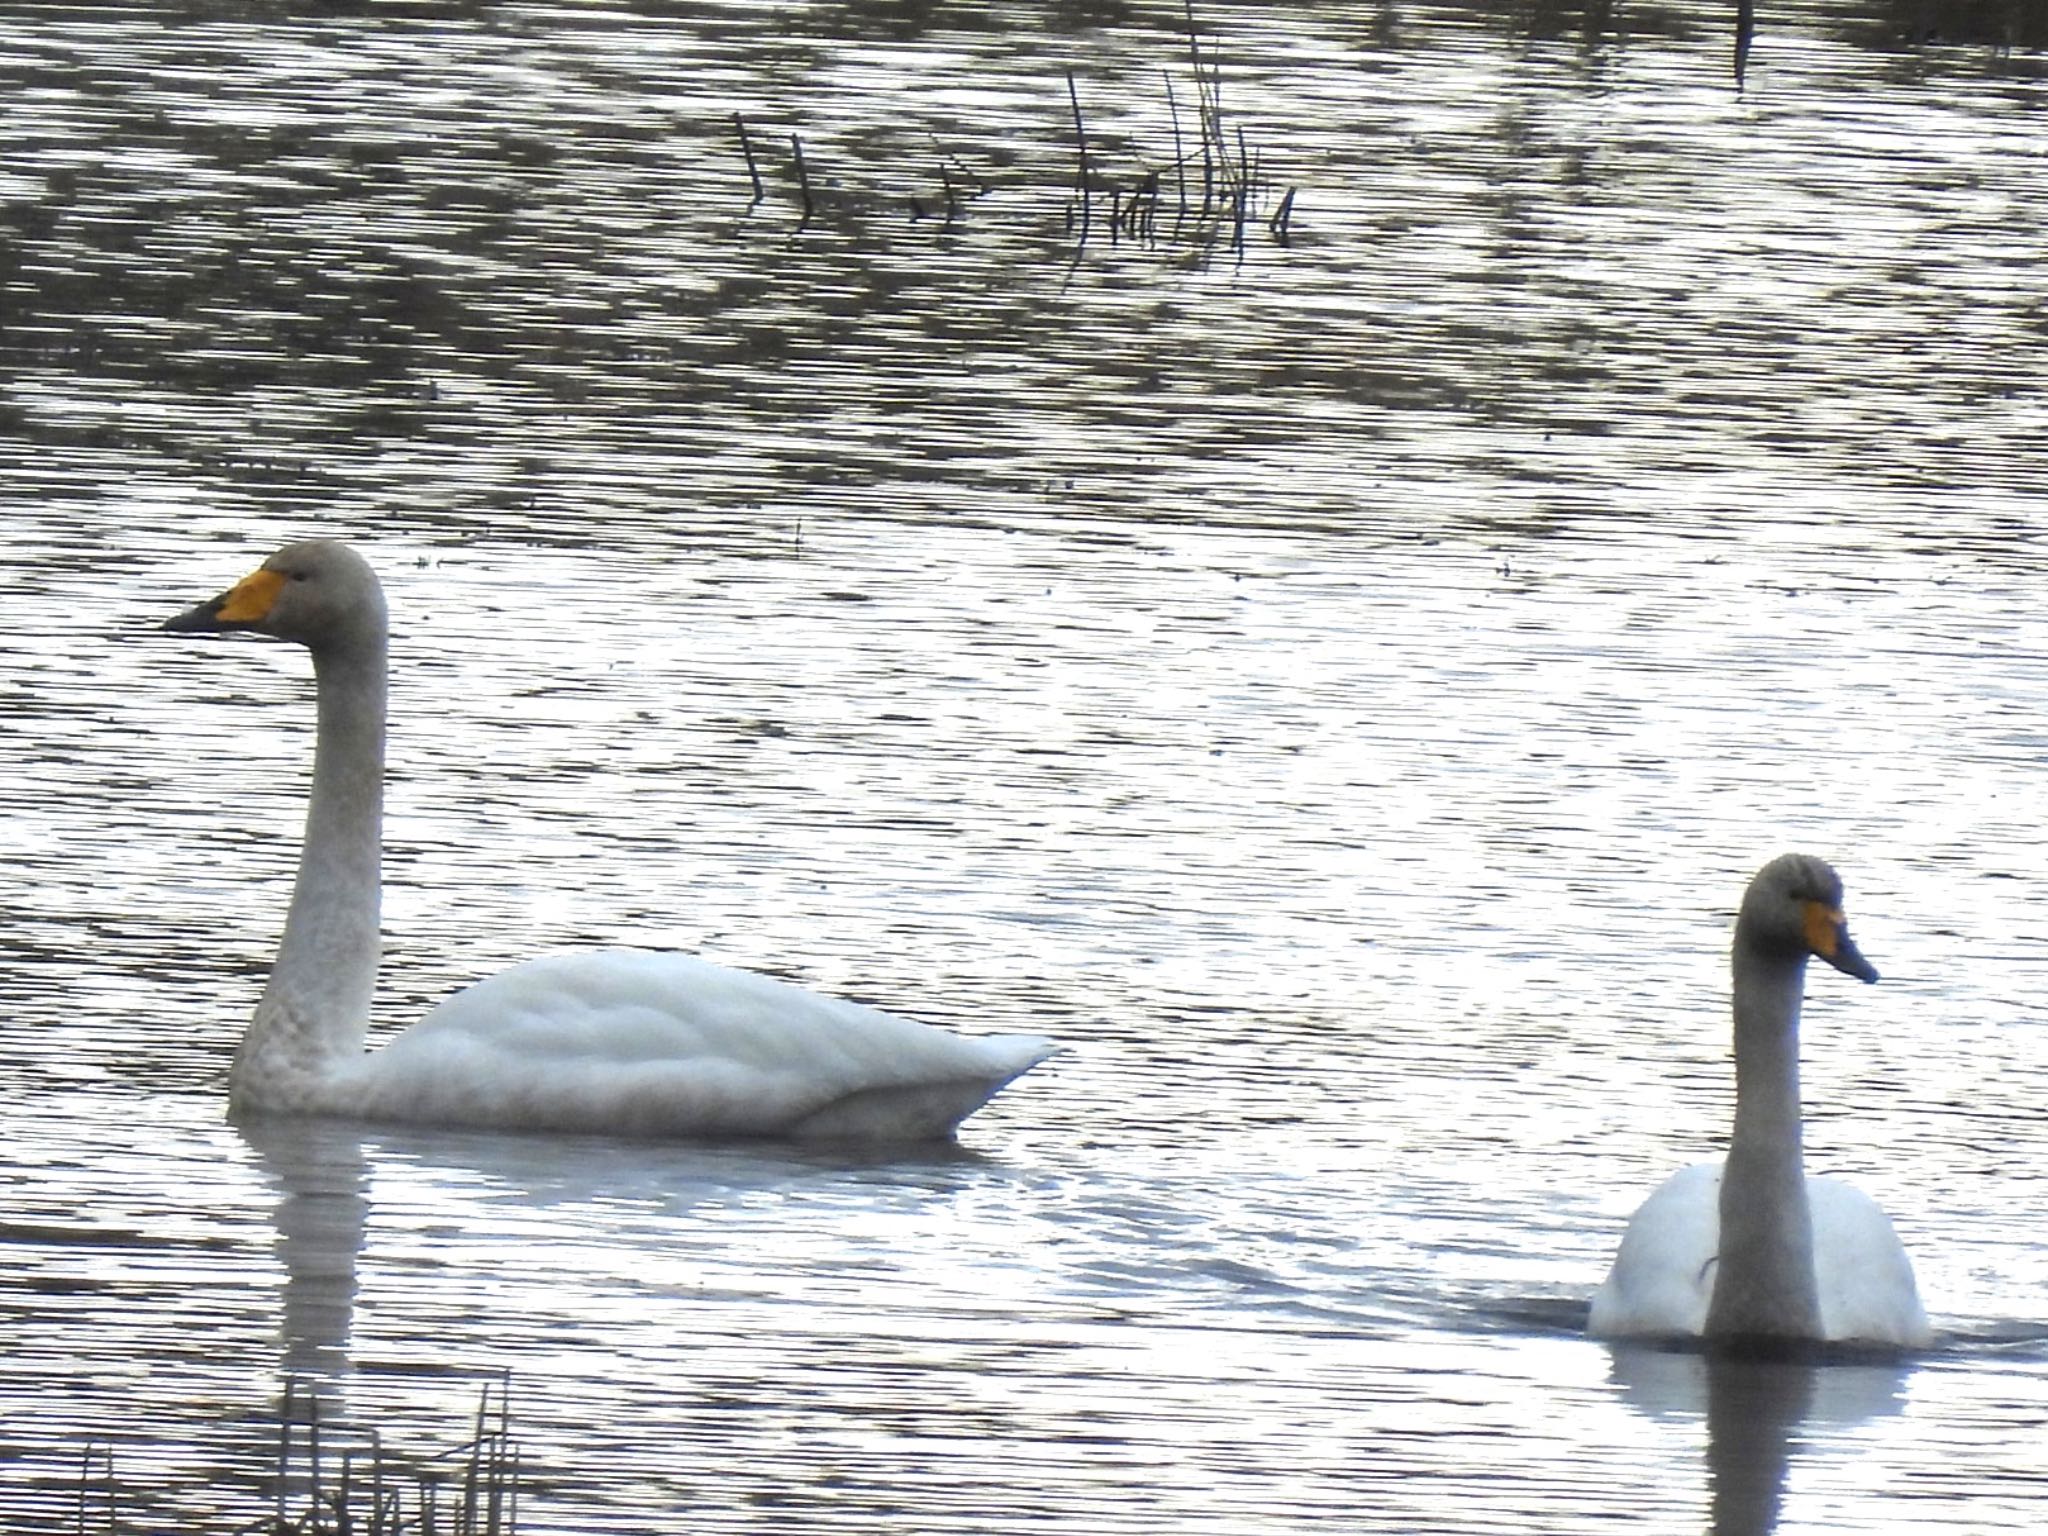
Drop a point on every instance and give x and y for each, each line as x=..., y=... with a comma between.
x=642, y=1043
x=1751, y=1253
x=626, y=1042
x=1663, y=1277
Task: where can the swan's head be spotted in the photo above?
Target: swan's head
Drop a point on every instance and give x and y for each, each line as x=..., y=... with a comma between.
x=1794, y=908
x=320, y=593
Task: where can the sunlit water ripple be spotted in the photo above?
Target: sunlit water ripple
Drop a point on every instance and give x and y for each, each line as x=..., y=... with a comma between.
x=1338, y=688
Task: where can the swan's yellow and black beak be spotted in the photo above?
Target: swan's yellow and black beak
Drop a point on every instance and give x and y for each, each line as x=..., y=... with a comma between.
x=245, y=605
x=1827, y=935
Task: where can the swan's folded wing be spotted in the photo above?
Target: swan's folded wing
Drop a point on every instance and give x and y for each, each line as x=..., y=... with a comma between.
x=637, y=1042
x=1867, y=1291
x=1663, y=1275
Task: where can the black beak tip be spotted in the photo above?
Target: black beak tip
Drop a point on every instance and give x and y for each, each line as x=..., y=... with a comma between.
x=193, y=621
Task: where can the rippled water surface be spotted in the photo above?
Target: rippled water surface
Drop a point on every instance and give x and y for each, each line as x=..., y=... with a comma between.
x=1337, y=685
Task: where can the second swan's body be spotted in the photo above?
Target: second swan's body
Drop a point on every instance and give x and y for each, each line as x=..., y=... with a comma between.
x=621, y=1041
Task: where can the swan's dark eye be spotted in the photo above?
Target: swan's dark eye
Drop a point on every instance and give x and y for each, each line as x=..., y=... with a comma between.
x=301, y=575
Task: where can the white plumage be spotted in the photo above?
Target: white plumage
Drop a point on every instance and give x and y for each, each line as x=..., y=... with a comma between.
x=1751, y=1253
x=628, y=1042
x=650, y=1044
x=1663, y=1276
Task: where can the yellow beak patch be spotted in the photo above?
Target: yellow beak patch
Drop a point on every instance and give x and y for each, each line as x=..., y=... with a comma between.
x=1824, y=925
x=249, y=600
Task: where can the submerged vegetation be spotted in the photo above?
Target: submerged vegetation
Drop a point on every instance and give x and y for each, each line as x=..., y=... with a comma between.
x=331, y=1479
x=1208, y=187
x=1205, y=184
x=1218, y=185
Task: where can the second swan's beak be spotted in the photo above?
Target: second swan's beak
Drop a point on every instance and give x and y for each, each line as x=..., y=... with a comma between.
x=1827, y=935
x=245, y=605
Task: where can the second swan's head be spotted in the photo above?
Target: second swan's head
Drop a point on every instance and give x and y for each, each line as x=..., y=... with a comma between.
x=319, y=593
x=1793, y=908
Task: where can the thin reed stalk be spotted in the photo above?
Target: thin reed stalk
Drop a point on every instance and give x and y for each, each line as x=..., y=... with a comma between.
x=747, y=149
x=803, y=178
x=1081, y=149
x=1180, y=160
x=85, y=1484
x=1277, y=224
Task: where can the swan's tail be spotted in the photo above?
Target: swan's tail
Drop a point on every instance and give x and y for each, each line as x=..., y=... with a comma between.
x=927, y=1111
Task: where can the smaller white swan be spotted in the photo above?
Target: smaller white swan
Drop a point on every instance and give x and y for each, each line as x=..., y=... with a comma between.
x=1751, y=1255
x=623, y=1041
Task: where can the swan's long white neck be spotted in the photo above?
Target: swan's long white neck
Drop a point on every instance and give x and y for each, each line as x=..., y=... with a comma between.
x=315, y=1009
x=1764, y=1286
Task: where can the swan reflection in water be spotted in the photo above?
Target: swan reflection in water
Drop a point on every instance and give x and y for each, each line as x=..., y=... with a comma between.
x=323, y=1181
x=643, y=1191
x=1756, y=1413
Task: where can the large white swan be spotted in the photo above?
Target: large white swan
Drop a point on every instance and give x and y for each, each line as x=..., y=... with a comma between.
x=1752, y=1255
x=624, y=1041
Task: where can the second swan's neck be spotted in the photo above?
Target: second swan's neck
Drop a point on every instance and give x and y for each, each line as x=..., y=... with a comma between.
x=315, y=1009
x=1764, y=1288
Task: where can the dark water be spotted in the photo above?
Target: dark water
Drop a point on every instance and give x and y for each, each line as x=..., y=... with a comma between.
x=1338, y=686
